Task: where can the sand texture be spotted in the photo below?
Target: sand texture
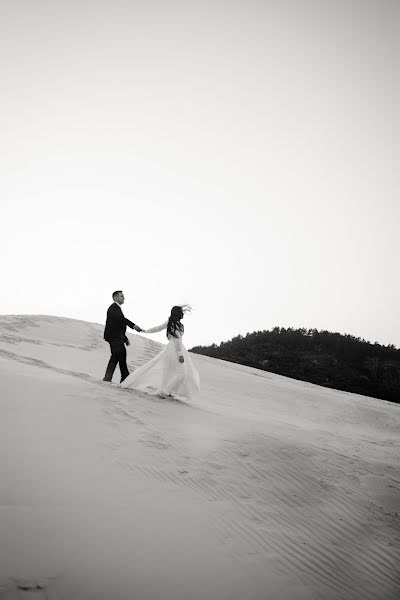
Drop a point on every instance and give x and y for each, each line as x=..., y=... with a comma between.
x=260, y=488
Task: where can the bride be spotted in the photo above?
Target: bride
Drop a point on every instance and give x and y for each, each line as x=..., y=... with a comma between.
x=171, y=373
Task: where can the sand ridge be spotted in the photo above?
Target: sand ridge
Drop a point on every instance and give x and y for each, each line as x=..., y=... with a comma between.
x=262, y=487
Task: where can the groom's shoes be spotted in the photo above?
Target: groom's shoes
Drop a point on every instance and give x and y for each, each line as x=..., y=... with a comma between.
x=105, y=379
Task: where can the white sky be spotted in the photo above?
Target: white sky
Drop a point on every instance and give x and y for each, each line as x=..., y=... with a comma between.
x=242, y=156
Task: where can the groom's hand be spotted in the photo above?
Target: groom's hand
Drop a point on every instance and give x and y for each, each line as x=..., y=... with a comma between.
x=181, y=359
x=137, y=328
x=127, y=343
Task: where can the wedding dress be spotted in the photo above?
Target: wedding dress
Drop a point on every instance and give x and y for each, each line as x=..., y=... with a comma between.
x=164, y=374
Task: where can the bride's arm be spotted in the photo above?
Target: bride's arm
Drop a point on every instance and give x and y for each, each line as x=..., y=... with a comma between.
x=178, y=346
x=156, y=329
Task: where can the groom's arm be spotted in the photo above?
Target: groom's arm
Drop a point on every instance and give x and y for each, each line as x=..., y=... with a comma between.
x=132, y=325
x=122, y=319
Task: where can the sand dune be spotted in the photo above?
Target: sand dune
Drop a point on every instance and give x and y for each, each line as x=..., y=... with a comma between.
x=261, y=488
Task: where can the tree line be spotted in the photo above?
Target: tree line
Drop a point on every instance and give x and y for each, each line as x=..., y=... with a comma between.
x=334, y=360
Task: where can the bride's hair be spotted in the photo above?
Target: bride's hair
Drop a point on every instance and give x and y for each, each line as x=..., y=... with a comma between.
x=174, y=321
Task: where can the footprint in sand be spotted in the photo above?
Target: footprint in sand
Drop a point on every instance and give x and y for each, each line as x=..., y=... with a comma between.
x=27, y=588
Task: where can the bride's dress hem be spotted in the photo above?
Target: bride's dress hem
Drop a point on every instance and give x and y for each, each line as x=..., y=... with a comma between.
x=164, y=374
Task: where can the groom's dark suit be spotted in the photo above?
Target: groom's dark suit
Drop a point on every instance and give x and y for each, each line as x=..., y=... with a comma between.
x=115, y=335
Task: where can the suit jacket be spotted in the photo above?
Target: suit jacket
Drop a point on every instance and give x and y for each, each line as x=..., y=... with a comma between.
x=116, y=323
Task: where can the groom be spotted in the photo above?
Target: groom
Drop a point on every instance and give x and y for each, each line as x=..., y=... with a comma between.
x=115, y=335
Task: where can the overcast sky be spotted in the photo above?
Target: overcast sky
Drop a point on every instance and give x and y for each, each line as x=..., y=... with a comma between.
x=242, y=156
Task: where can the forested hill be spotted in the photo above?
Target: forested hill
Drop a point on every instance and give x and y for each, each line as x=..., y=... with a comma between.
x=334, y=360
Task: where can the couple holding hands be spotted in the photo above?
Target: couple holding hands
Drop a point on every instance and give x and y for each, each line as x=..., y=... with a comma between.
x=169, y=374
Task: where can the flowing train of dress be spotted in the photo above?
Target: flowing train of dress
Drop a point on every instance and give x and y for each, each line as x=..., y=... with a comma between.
x=164, y=373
